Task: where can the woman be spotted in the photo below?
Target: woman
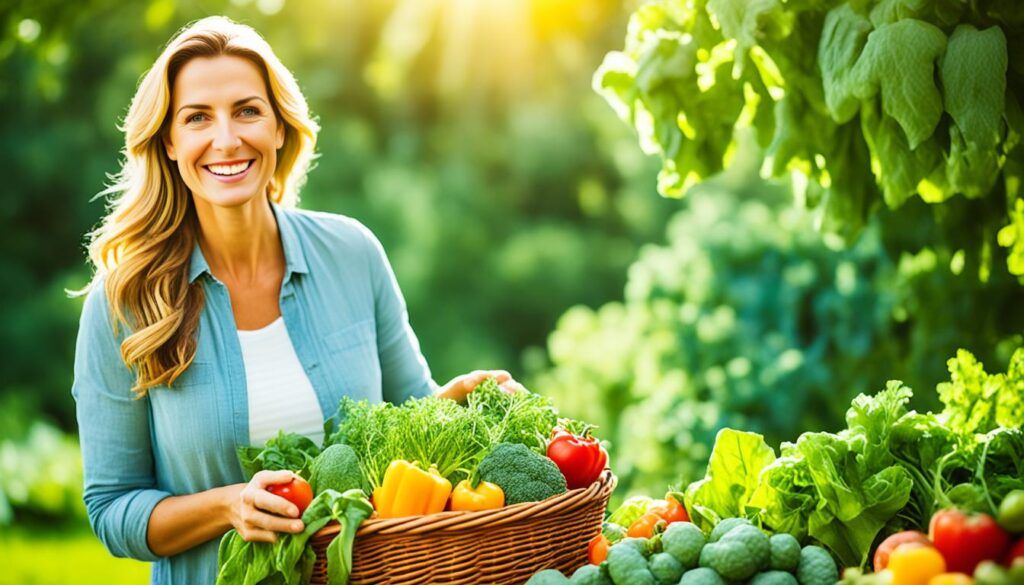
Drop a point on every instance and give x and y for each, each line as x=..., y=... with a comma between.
x=218, y=314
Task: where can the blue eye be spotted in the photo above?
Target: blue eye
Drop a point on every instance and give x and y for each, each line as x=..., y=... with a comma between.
x=249, y=111
x=197, y=117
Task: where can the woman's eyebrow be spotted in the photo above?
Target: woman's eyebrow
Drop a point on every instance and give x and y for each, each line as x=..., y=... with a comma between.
x=206, y=107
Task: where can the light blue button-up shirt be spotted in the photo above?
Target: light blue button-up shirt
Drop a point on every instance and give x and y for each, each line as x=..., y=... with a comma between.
x=348, y=323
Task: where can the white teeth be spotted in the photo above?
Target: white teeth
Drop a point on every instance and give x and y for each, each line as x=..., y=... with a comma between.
x=228, y=170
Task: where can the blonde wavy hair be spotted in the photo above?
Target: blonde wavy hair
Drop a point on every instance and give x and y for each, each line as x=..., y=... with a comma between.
x=142, y=249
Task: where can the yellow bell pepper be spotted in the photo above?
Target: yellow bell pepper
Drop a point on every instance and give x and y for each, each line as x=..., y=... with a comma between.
x=915, y=564
x=486, y=496
x=407, y=490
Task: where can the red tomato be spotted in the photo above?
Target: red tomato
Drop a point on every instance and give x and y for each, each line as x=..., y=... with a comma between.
x=888, y=545
x=597, y=550
x=1016, y=552
x=965, y=540
x=581, y=459
x=296, y=491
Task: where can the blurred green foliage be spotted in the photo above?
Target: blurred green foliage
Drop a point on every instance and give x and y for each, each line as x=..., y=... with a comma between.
x=49, y=555
x=749, y=318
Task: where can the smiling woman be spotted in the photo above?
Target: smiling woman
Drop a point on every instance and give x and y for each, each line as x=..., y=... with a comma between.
x=219, y=314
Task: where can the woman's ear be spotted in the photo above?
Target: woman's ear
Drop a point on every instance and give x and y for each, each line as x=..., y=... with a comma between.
x=280, y=134
x=168, y=146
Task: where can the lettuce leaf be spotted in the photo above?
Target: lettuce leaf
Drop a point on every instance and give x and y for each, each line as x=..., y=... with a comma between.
x=734, y=470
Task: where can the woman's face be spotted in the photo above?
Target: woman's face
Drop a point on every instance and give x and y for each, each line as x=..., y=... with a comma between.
x=223, y=133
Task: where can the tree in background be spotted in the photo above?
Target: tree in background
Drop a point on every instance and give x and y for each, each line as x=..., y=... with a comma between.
x=861, y=101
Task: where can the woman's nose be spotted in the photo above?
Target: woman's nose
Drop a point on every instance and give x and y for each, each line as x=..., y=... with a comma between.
x=226, y=138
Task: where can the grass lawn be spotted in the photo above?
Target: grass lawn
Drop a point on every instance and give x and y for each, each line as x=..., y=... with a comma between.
x=34, y=556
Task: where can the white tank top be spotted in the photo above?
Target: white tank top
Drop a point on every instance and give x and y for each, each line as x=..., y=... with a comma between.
x=280, y=394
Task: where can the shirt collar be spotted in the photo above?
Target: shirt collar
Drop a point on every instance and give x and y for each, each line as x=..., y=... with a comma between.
x=295, y=260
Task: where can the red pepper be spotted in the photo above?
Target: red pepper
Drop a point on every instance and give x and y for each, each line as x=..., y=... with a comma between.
x=580, y=458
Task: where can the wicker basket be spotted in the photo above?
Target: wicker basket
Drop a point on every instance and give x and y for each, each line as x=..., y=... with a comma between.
x=504, y=546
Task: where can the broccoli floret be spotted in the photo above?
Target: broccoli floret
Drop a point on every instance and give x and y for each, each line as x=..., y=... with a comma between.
x=336, y=468
x=702, y=576
x=773, y=578
x=627, y=566
x=743, y=551
x=816, y=567
x=684, y=541
x=524, y=476
x=590, y=575
x=785, y=555
x=548, y=577
x=665, y=568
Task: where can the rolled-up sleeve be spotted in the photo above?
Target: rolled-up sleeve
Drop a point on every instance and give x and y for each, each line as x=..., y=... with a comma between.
x=404, y=370
x=114, y=433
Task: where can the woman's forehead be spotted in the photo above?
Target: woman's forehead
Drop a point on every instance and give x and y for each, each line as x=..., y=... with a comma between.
x=212, y=80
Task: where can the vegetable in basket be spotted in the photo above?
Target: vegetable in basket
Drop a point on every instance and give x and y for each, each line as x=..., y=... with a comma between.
x=524, y=475
x=410, y=491
x=580, y=458
x=336, y=468
x=485, y=496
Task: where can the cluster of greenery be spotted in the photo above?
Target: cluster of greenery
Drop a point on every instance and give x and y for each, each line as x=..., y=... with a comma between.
x=748, y=318
x=864, y=101
x=887, y=471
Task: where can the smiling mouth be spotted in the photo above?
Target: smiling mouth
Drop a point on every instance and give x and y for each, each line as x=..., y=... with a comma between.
x=229, y=170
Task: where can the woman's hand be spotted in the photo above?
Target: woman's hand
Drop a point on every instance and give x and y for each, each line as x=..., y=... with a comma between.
x=460, y=386
x=259, y=515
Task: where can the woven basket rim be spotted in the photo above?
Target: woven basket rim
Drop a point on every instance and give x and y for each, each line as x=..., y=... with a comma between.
x=454, y=521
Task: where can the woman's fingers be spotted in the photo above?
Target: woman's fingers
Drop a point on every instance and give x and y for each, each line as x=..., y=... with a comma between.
x=511, y=386
x=266, y=478
x=258, y=521
x=276, y=504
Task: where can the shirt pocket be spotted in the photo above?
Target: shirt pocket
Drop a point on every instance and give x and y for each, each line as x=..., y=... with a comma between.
x=352, y=364
x=197, y=374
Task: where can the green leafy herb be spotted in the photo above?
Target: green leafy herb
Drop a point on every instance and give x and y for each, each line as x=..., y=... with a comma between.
x=440, y=432
x=290, y=451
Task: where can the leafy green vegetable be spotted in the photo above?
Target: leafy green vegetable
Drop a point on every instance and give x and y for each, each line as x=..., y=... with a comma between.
x=918, y=94
x=520, y=417
x=977, y=402
x=290, y=451
x=290, y=561
x=630, y=510
x=733, y=471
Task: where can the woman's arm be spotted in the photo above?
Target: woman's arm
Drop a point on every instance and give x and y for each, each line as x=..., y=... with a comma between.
x=179, y=523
